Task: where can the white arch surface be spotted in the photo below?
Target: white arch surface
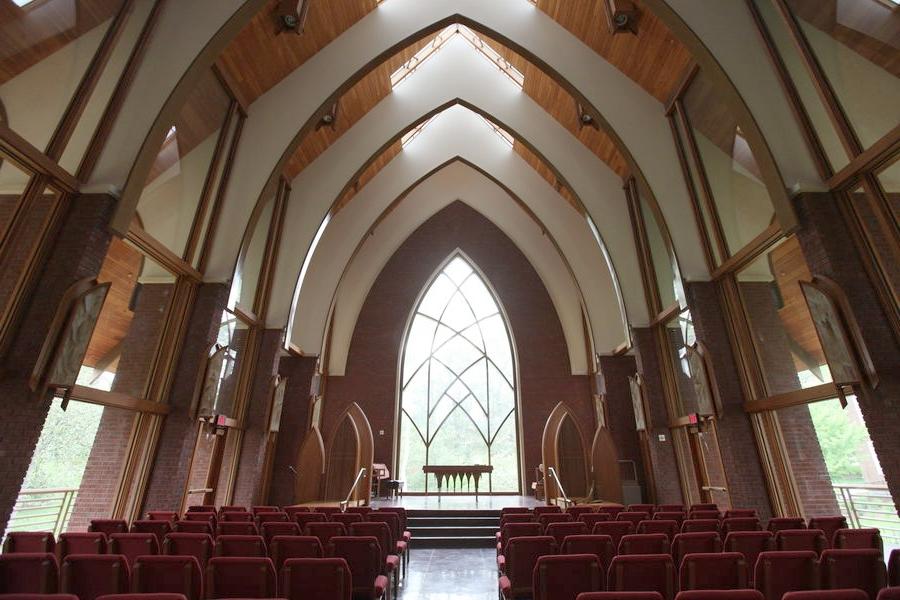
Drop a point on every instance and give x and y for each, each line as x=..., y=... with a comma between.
x=456, y=181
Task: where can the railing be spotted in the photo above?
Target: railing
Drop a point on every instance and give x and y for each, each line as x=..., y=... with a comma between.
x=359, y=477
x=43, y=510
x=869, y=505
x=559, y=486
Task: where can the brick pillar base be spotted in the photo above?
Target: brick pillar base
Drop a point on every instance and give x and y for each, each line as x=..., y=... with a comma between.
x=737, y=444
x=662, y=453
x=172, y=463
x=826, y=242
x=78, y=251
x=299, y=372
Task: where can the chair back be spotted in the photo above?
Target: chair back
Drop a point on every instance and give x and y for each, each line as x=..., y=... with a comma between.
x=286, y=547
x=564, y=577
x=522, y=554
x=198, y=545
x=89, y=576
x=713, y=571
x=644, y=543
x=600, y=546
x=777, y=573
x=29, y=541
x=860, y=569
x=363, y=556
x=168, y=575
x=643, y=573
x=700, y=542
x=240, y=577
x=316, y=579
x=132, y=545
x=240, y=545
x=81, y=543
x=28, y=573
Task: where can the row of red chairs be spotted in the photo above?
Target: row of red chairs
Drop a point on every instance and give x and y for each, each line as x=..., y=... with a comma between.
x=89, y=576
x=892, y=593
x=533, y=569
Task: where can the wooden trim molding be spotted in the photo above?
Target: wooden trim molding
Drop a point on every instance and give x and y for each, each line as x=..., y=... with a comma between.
x=118, y=400
x=826, y=391
x=160, y=253
x=33, y=159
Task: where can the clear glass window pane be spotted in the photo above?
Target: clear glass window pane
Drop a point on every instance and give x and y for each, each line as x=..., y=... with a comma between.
x=458, y=396
x=662, y=259
x=787, y=345
x=741, y=199
x=13, y=180
x=176, y=181
x=126, y=337
x=246, y=275
x=76, y=468
x=47, y=48
x=856, y=42
x=679, y=333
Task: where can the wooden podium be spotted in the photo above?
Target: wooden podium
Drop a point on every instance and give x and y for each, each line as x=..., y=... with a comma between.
x=456, y=474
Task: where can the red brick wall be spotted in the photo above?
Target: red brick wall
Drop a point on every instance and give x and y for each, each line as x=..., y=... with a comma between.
x=299, y=371
x=77, y=251
x=545, y=375
x=615, y=371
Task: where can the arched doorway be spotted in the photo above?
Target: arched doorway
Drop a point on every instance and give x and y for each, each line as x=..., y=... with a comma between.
x=458, y=392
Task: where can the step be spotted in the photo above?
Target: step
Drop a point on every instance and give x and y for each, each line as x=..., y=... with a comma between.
x=453, y=522
x=443, y=531
x=454, y=541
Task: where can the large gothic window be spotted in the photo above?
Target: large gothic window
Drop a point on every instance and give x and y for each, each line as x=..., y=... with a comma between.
x=458, y=395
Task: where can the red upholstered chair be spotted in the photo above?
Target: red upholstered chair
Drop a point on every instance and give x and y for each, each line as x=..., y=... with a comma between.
x=326, y=510
x=91, y=575
x=894, y=568
x=286, y=547
x=647, y=508
x=644, y=543
x=324, y=531
x=563, y=577
x=237, y=528
x=719, y=595
x=548, y=518
x=611, y=510
x=620, y=596
x=512, y=530
x=671, y=508
x=559, y=531
x=666, y=527
x=347, y=518
x=633, y=517
x=28, y=573
x=363, y=556
x=29, y=541
x=257, y=510
x=364, y=510
x=38, y=597
x=580, y=509
x=108, y=526
x=162, y=515
x=81, y=543
x=198, y=545
x=510, y=510
x=889, y=593
x=395, y=523
x=643, y=573
x=740, y=524
x=614, y=529
x=781, y=572
x=381, y=532
x=316, y=579
x=202, y=508
x=700, y=525
x=236, y=517
x=271, y=517
x=704, y=506
x=516, y=518
x=398, y=510
x=699, y=542
x=132, y=545
x=751, y=544
x=849, y=539
x=706, y=513
x=801, y=539
x=194, y=527
x=537, y=511
x=600, y=546
x=740, y=512
x=522, y=554
x=843, y=594
x=304, y=519
x=240, y=545
x=270, y=530
x=292, y=511
x=777, y=524
x=591, y=519
x=200, y=516
x=159, y=528
x=139, y=596
x=665, y=515
x=716, y=571
x=168, y=575
x=860, y=569
x=828, y=525
x=240, y=577
x=232, y=508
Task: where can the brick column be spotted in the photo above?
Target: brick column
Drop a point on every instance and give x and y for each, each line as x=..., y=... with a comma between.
x=620, y=413
x=737, y=443
x=251, y=462
x=78, y=250
x=825, y=239
x=662, y=454
x=299, y=371
x=172, y=463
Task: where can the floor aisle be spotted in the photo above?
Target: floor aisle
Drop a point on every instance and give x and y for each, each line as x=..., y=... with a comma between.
x=442, y=574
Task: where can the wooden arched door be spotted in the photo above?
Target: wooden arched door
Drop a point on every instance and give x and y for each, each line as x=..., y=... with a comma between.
x=351, y=448
x=564, y=450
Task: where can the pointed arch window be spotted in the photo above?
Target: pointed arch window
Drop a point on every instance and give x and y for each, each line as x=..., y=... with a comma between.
x=458, y=384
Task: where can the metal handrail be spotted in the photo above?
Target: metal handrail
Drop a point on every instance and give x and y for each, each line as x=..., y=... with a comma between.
x=353, y=487
x=43, y=509
x=559, y=485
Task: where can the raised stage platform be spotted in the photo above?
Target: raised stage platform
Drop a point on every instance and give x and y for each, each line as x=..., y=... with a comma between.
x=457, y=502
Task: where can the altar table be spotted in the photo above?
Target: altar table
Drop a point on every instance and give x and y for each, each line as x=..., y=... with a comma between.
x=454, y=474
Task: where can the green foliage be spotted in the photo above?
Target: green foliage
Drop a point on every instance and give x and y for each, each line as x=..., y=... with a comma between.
x=841, y=439
x=65, y=444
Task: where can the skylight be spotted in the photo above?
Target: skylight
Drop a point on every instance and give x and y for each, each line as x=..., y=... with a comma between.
x=501, y=133
x=410, y=135
x=442, y=38
x=22, y=2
